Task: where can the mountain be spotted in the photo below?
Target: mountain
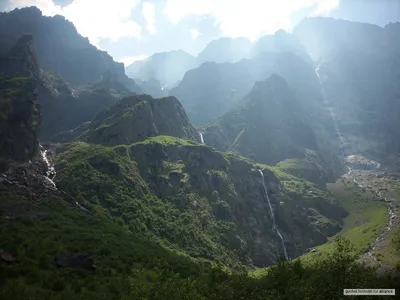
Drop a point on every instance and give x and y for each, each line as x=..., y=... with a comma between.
x=60, y=48
x=167, y=67
x=209, y=204
x=75, y=79
x=280, y=42
x=270, y=126
x=359, y=73
x=211, y=90
x=20, y=117
x=134, y=203
x=135, y=118
x=225, y=50
x=324, y=38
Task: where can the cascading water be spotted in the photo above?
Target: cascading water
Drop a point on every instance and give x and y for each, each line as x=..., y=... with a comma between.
x=274, y=227
x=201, y=137
x=50, y=174
x=332, y=113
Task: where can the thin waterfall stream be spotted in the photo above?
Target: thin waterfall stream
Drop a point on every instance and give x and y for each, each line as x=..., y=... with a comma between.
x=274, y=226
x=391, y=213
x=201, y=137
x=50, y=173
x=332, y=113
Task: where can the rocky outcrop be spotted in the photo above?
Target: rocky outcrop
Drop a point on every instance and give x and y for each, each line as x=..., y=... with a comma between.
x=6, y=257
x=75, y=260
x=19, y=106
x=135, y=118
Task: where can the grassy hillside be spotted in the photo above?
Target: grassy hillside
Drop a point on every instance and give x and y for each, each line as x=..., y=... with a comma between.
x=367, y=218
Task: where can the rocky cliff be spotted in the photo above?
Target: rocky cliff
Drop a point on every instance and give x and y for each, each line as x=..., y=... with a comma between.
x=135, y=118
x=19, y=106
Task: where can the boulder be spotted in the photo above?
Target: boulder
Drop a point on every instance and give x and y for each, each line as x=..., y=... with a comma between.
x=5, y=257
x=75, y=260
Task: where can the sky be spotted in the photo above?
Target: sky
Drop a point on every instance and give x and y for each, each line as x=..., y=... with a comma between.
x=135, y=29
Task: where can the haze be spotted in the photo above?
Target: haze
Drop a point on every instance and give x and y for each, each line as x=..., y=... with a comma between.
x=131, y=30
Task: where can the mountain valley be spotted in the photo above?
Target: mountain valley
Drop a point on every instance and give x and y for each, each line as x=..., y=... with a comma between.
x=265, y=170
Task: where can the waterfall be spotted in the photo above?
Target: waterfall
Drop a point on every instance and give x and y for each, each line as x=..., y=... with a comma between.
x=50, y=174
x=201, y=137
x=274, y=227
x=332, y=113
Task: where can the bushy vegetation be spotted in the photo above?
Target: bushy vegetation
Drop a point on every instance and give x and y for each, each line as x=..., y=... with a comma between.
x=132, y=267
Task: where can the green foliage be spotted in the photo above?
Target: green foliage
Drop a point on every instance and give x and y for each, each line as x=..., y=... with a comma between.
x=166, y=140
x=109, y=181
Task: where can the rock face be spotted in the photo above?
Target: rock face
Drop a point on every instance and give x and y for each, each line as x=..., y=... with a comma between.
x=75, y=260
x=5, y=257
x=225, y=50
x=167, y=67
x=19, y=106
x=136, y=118
x=359, y=72
x=269, y=126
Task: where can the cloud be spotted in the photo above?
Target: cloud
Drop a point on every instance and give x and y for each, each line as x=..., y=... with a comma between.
x=325, y=7
x=149, y=14
x=93, y=18
x=194, y=33
x=249, y=18
x=128, y=60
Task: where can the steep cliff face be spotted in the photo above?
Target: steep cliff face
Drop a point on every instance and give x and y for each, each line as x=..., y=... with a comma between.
x=209, y=204
x=359, y=72
x=19, y=106
x=60, y=48
x=271, y=125
x=136, y=118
